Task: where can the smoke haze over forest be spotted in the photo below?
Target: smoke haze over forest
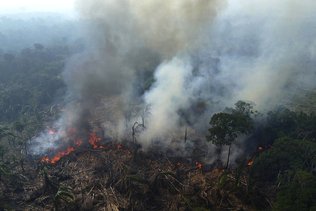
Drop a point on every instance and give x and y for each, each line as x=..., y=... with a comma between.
x=173, y=64
x=158, y=105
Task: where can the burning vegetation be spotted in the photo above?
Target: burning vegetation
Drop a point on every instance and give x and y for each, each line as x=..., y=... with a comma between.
x=89, y=172
x=117, y=178
x=58, y=156
x=94, y=140
x=141, y=116
x=55, y=155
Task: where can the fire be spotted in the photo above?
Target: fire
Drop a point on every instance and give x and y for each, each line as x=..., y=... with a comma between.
x=58, y=156
x=198, y=165
x=52, y=132
x=45, y=159
x=78, y=142
x=94, y=140
x=260, y=149
x=250, y=162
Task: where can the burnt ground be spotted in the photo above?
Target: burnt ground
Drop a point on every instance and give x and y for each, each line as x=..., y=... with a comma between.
x=118, y=178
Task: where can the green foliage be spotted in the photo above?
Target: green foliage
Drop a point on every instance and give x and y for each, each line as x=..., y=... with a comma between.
x=297, y=125
x=222, y=180
x=4, y=170
x=30, y=81
x=225, y=127
x=5, y=132
x=222, y=131
x=245, y=108
x=298, y=194
x=285, y=154
x=289, y=165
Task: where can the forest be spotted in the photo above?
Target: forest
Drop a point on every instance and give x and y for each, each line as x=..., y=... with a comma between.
x=185, y=106
x=276, y=172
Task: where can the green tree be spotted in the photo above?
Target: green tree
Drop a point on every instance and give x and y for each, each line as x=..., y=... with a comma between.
x=227, y=126
x=298, y=194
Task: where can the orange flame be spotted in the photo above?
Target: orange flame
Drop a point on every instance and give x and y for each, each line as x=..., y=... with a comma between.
x=57, y=157
x=94, y=141
x=198, y=165
x=250, y=162
x=78, y=142
x=45, y=159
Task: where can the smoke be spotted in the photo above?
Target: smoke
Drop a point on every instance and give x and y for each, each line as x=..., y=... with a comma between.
x=265, y=46
x=162, y=26
x=171, y=64
x=140, y=54
x=166, y=97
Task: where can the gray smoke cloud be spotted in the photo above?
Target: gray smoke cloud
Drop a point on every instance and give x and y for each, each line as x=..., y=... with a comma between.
x=133, y=42
x=172, y=64
x=266, y=49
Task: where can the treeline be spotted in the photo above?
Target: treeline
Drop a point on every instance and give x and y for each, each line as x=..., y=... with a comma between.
x=30, y=80
x=281, y=148
x=31, y=84
x=281, y=143
x=288, y=166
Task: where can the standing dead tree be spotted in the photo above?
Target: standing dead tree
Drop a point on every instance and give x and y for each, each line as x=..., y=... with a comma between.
x=136, y=126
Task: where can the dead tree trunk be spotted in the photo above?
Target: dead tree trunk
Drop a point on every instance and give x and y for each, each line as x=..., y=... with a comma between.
x=228, y=156
x=133, y=132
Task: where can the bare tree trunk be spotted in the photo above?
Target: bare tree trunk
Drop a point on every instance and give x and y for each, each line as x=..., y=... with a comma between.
x=134, y=132
x=185, y=135
x=228, y=156
x=218, y=154
x=143, y=120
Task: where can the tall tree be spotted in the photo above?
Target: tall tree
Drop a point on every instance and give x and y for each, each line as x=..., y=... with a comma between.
x=227, y=126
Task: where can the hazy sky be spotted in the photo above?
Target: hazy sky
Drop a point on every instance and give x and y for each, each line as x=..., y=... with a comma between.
x=17, y=6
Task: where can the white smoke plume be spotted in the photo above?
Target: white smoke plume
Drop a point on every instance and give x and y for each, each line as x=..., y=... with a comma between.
x=166, y=97
x=186, y=59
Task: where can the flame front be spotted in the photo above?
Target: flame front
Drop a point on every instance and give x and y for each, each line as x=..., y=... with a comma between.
x=78, y=142
x=45, y=159
x=58, y=156
x=94, y=140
